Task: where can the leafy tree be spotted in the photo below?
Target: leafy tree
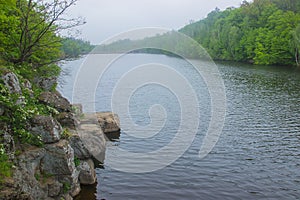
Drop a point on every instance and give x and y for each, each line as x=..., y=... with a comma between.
x=9, y=22
x=30, y=31
x=39, y=22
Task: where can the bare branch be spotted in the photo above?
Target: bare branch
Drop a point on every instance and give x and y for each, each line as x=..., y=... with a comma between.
x=39, y=18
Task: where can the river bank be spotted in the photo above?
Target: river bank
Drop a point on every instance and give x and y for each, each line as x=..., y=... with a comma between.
x=55, y=168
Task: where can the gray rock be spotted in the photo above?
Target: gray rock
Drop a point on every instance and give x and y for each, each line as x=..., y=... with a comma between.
x=30, y=160
x=54, y=188
x=47, y=128
x=46, y=83
x=108, y=121
x=25, y=181
x=66, y=197
x=8, y=143
x=26, y=84
x=80, y=151
x=87, y=174
x=92, y=136
x=67, y=119
x=59, y=159
x=75, y=188
x=55, y=100
x=11, y=81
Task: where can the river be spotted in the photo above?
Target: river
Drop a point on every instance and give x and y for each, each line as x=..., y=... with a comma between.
x=257, y=155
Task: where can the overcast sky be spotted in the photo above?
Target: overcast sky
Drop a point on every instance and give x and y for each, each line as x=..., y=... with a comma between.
x=106, y=18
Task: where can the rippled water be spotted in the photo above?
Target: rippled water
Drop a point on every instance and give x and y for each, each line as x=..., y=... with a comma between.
x=256, y=157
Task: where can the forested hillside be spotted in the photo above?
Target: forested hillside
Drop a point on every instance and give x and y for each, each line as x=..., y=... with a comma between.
x=262, y=32
x=72, y=47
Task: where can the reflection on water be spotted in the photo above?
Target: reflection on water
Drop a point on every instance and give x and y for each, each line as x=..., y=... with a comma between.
x=257, y=156
x=113, y=136
x=88, y=192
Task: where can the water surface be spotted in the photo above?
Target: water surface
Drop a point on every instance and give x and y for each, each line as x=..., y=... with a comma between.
x=256, y=157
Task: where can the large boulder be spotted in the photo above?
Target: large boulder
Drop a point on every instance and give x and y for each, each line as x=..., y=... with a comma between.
x=55, y=100
x=92, y=136
x=8, y=142
x=24, y=176
x=11, y=81
x=87, y=175
x=108, y=121
x=59, y=159
x=54, y=188
x=59, y=162
x=80, y=151
x=46, y=83
x=67, y=119
x=47, y=128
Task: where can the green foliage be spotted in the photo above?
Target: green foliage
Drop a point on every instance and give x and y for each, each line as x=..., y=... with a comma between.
x=66, y=134
x=9, y=25
x=73, y=48
x=37, y=176
x=66, y=187
x=19, y=113
x=5, y=164
x=76, y=161
x=28, y=35
x=43, y=177
x=263, y=32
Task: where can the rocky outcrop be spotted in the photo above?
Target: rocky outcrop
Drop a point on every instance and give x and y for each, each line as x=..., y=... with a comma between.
x=110, y=124
x=59, y=161
x=87, y=175
x=46, y=83
x=92, y=136
x=108, y=121
x=47, y=128
x=68, y=120
x=55, y=100
x=45, y=173
x=80, y=150
x=11, y=81
x=55, y=170
x=8, y=142
x=27, y=176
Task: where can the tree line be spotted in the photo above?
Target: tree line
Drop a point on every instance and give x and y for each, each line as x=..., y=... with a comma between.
x=263, y=32
x=72, y=47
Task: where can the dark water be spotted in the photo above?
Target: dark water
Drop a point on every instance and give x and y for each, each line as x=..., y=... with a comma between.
x=256, y=157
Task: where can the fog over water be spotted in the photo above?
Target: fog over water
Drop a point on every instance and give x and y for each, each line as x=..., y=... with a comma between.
x=107, y=18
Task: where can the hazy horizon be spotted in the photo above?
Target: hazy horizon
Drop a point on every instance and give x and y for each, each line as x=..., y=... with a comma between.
x=108, y=18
